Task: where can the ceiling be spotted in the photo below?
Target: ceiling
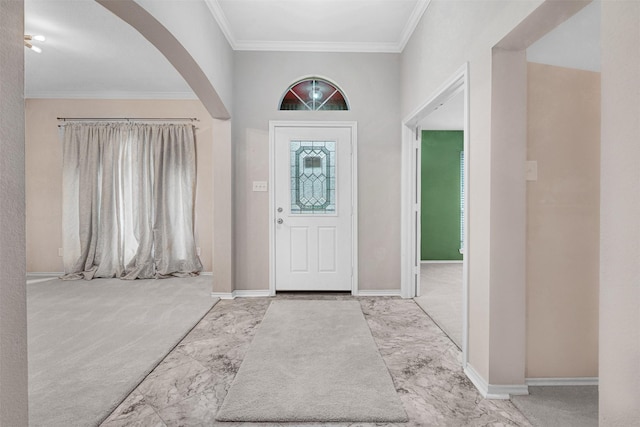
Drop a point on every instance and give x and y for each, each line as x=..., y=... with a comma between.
x=448, y=116
x=91, y=53
x=573, y=44
x=318, y=25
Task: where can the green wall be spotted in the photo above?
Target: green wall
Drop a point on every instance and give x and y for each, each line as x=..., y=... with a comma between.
x=440, y=220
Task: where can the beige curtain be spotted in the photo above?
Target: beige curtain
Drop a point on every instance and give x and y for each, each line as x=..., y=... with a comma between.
x=128, y=194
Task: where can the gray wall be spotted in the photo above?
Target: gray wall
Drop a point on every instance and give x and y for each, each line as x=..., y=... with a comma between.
x=439, y=46
x=13, y=317
x=619, y=209
x=491, y=37
x=371, y=83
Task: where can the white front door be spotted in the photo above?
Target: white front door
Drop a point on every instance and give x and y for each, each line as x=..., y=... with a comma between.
x=313, y=206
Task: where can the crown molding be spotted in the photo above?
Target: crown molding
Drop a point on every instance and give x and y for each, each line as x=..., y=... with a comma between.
x=109, y=95
x=302, y=46
x=221, y=19
x=412, y=22
x=317, y=47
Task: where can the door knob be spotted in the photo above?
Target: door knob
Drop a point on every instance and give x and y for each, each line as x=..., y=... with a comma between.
x=280, y=221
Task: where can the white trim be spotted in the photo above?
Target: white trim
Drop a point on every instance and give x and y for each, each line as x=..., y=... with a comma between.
x=465, y=244
x=477, y=380
x=273, y=124
x=110, y=95
x=379, y=293
x=43, y=279
x=441, y=262
x=492, y=391
x=308, y=46
x=506, y=391
x=576, y=381
x=410, y=239
x=242, y=294
x=272, y=208
x=223, y=295
x=45, y=273
x=408, y=232
x=412, y=22
x=221, y=19
x=354, y=208
x=450, y=88
x=60, y=273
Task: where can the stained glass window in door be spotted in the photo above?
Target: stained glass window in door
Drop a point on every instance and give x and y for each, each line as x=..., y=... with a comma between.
x=313, y=177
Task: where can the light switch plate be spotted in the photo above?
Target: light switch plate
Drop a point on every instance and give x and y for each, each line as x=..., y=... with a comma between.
x=260, y=186
x=532, y=170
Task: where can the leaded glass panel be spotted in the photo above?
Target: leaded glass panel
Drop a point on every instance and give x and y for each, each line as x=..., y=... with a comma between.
x=313, y=94
x=313, y=177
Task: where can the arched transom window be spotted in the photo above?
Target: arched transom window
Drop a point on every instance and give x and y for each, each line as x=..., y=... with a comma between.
x=313, y=94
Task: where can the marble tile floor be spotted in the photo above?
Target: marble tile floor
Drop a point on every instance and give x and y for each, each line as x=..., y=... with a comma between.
x=441, y=297
x=189, y=386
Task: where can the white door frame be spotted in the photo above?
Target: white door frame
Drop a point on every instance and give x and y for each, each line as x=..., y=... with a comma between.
x=410, y=239
x=273, y=124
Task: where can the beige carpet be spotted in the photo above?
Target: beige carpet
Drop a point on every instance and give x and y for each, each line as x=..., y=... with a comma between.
x=313, y=361
x=92, y=342
x=441, y=297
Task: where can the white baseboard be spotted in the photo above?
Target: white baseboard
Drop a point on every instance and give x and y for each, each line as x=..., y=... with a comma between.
x=46, y=274
x=576, y=381
x=60, y=273
x=441, y=262
x=242, y=294
x=477, y=380
x=493, y=391
x=379, y=293
x=500, y=391
x=223, y=295
x=252, y=294
x=266, y=293
x=42, y=277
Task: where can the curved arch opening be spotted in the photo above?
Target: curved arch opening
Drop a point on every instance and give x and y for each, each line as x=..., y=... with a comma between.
x=182, y=60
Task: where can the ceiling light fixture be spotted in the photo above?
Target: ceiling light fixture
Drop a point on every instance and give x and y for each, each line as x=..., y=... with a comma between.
x=28, y=38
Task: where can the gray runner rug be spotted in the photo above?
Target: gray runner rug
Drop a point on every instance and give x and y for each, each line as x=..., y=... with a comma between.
x=313, y=361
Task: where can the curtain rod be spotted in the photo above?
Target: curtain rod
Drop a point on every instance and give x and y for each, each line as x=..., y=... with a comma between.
x=128, y=119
